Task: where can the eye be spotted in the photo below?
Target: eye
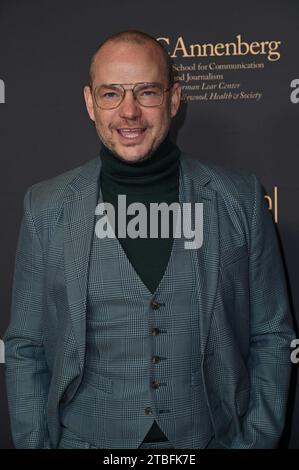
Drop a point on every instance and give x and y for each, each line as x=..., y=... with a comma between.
x=110, y=94
x=149, y=91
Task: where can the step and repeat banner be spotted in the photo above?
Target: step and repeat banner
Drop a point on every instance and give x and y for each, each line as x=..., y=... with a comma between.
x=237, y=63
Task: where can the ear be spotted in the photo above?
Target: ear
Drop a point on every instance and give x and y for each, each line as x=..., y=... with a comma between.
x=175, y=98
x=89, y=101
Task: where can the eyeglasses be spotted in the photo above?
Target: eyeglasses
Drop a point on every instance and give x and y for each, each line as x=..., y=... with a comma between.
x=146, y=94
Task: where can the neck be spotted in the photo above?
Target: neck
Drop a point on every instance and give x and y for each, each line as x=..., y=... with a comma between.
x=157, y=173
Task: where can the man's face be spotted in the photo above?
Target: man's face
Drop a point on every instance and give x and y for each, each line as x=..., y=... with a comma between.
x=132, y=132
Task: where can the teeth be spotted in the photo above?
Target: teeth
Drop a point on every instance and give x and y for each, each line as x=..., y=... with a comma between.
x=130, y=133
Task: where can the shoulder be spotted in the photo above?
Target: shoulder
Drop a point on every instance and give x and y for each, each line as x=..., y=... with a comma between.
x=239, y=195
x=51, y=193
x=223, y=180
x=231, y=186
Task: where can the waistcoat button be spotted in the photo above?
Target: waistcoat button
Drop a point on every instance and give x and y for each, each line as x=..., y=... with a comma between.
x=155, y=305
x=155, y=384
x=156, y=331
x=148, y=411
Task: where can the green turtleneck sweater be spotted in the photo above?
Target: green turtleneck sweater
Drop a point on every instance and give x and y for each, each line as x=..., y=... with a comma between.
x=152, y=180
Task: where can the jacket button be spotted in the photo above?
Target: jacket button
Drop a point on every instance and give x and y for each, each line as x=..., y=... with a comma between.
x=63, y=398
x=155, y=384
x=156, y=359
x=155, y=305
x=156, y=331
x=148, y=411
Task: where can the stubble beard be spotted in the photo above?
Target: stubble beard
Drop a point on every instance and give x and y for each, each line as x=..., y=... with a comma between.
x=137, y=159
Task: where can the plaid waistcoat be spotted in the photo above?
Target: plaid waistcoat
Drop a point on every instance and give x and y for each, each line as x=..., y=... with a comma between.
x=142, y=353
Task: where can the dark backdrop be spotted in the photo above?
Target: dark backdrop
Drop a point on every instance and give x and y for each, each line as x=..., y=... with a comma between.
x=45, y=48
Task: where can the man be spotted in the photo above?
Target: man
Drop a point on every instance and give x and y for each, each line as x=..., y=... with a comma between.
x=123, y=342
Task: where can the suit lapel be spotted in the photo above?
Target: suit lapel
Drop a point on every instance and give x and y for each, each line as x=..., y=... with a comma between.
x=79, y=213
x=195, y=189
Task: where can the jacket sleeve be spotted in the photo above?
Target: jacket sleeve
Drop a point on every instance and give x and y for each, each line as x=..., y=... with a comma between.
x=27, y=374
x=271, y=333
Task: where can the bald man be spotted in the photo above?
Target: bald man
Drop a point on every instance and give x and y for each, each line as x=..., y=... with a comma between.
x=121, y=339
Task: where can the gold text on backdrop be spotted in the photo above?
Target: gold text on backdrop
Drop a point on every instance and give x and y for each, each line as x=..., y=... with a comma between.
x=235, y=48
x=273, y=204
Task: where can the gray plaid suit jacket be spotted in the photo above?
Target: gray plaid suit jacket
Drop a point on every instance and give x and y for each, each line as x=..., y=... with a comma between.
x=245, y=325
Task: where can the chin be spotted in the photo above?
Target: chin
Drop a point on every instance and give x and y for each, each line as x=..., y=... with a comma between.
x=132, y=157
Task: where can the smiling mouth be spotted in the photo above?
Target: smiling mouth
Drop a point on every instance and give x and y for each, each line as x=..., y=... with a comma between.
x=131, y=133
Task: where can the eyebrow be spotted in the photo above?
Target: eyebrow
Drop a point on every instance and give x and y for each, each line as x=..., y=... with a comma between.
x=133, y=84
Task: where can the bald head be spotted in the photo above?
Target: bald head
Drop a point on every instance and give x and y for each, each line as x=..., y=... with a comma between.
x=133, y=37
x=132, y=130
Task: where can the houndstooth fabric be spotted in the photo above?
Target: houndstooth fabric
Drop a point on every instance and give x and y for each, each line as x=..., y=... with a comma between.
x=109, y=408
x=243, y=317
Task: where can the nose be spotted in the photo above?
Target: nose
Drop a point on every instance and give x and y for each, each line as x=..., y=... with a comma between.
x=129, y=108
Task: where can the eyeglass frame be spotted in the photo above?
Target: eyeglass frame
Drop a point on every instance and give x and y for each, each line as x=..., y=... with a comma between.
x=132, y=90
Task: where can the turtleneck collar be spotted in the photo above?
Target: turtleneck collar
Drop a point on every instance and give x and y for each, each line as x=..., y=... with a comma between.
x=158, y=173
